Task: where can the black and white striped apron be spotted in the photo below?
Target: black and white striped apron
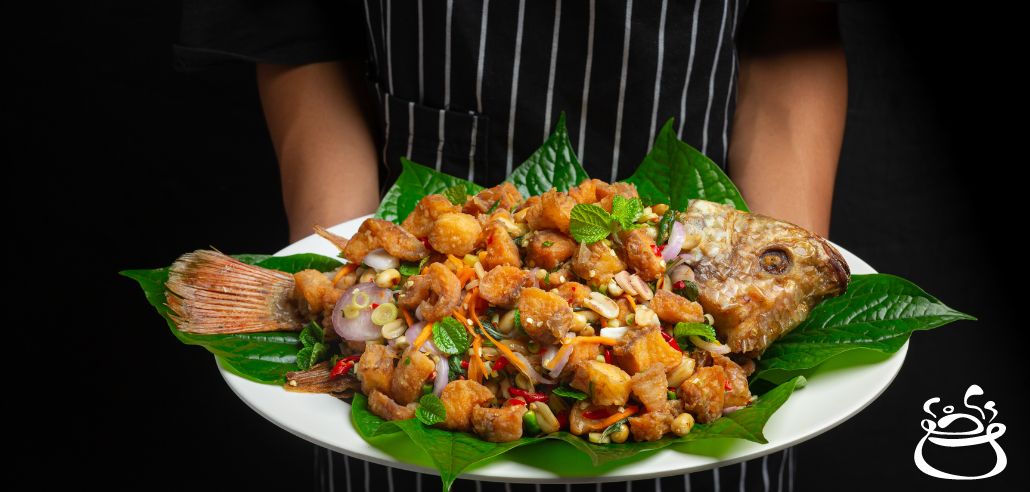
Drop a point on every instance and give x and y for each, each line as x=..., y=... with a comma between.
x=472, y=88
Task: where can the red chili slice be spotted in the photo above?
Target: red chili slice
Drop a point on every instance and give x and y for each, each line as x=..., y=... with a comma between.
x=726, y=384
x=464, y=364
x=499, y=363
x=608, y=356
x=600, y=413
x=657, y=249
x=515, y=401
x=528, y=395
x=671, y=341
x=374, y=306
x=341, y=368
x=563, y=419
x=679, y=284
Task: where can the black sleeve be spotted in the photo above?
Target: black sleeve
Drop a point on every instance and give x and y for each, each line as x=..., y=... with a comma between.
x=289, y=32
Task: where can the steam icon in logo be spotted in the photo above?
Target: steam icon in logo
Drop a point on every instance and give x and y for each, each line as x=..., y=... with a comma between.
x=936, y=434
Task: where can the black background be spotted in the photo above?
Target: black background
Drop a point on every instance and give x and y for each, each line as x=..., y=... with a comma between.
x=125, y=163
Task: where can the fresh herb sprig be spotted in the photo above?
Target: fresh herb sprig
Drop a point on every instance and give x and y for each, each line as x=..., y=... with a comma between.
x=590, y=223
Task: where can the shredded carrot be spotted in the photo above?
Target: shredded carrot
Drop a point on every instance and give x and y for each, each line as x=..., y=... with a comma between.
x=560, y=355
x=422, y=337
x=344, y=270
x=477, y=368
x=471, y=299
x=466, y=274
x=477, y=371
x=630, y=410
x=632, y=303
x=407, y=317
x=456, y=264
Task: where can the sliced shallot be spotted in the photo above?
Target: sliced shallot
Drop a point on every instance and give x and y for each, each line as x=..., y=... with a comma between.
x=442, y=375
x=380, y=260
x=676, y=238
x=715, y=348
x=360, y=327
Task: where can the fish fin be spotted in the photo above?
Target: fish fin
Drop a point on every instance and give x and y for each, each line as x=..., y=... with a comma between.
x=212, y=293
x=339, y=241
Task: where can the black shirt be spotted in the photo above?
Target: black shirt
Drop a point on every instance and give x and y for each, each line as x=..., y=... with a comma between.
x=473, y=88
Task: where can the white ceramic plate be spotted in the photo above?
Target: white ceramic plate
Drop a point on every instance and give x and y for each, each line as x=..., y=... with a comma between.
x=837, y=391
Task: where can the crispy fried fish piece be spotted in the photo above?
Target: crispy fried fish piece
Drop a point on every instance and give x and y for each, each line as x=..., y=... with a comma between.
x=378, y=233
x=759, y=277
x=420, y=221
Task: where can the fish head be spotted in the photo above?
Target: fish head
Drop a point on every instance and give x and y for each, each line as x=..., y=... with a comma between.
x=759, y=277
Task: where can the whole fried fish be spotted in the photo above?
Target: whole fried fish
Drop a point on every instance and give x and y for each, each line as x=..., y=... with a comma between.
x=757, y=276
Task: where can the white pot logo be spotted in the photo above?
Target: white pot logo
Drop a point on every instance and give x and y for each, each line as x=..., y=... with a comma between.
x=979, y=435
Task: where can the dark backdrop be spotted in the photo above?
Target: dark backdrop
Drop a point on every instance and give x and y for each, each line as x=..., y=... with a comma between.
x=131, y=164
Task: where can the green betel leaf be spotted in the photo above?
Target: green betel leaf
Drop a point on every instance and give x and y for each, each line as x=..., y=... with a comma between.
x=296, y=263
x=260, y=357
x=415, y=182
x=626, y=211
x=453, y=452
x=589, y=223
x=450, y=452
x=878, y=312
x=674, y=172
x=553, y=165
x=430, y=410
x=450, y=337
x=457, y=194
x=746, y=423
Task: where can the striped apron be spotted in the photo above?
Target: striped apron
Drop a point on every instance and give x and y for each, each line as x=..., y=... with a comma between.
x=472, y=88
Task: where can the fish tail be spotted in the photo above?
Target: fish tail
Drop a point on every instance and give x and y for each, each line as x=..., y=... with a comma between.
x=212, y=293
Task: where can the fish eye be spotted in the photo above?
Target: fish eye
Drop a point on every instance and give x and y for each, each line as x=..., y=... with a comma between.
x=775, y=261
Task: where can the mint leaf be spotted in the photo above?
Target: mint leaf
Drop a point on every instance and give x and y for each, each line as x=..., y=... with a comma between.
x=450, y=337
x=309, y=356
x=626, y=211
x=457, y=194
x=589, y=223
x=567, y=392
x=674, y=173
x=553, y=165
x=430, y=410
x=684, y=330
x=311, y=334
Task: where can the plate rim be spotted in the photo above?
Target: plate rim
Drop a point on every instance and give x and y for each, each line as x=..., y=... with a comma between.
x=239, y=385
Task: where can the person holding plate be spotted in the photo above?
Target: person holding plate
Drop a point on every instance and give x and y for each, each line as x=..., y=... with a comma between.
x=472, y=88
